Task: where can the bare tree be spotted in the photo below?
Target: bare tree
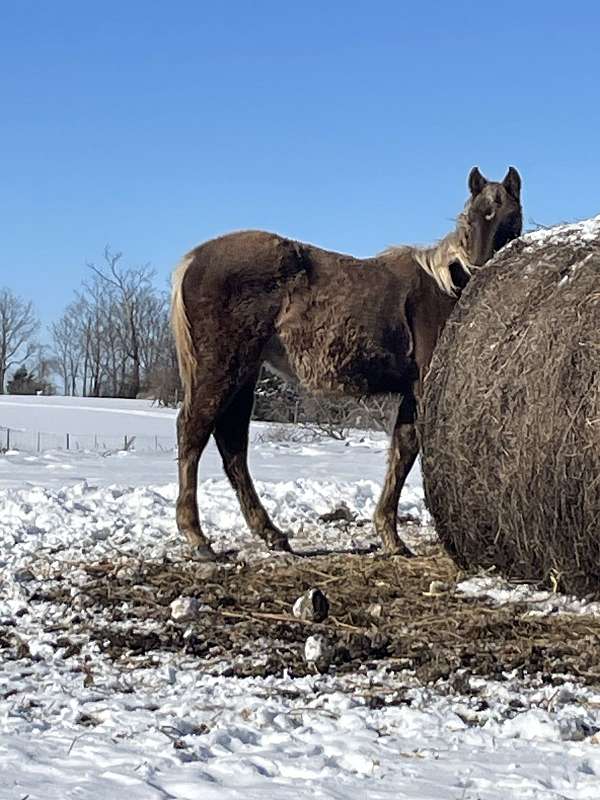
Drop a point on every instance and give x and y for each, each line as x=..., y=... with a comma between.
x=134, y=295
x=96, y=329
x=160, y=357
x=279, y=401
x=68, y=341
x=18, y=324
x=115, y=339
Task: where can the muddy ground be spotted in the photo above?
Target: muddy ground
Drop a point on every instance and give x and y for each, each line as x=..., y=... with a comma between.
x=403, y=613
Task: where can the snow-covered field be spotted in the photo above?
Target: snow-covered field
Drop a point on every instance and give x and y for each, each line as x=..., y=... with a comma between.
x=74, y=724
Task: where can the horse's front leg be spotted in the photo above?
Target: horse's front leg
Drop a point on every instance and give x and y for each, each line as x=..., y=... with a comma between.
x=404, y=448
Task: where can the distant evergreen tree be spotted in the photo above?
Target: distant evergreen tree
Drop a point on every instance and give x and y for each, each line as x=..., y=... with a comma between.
x=25, y=382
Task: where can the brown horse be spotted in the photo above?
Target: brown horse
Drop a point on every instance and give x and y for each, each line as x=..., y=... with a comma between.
x=335, y=323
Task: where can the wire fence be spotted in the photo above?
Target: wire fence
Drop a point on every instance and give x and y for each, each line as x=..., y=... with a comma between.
x=40, y=441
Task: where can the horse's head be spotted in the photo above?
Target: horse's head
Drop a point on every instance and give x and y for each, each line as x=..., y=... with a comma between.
x=493, y=214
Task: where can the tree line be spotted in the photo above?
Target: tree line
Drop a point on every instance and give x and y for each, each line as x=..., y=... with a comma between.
x=112, y=340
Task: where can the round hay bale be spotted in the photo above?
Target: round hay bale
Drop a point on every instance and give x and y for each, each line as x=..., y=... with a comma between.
x=511, y=414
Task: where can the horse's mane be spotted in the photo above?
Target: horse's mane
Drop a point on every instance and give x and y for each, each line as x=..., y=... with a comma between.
x=436, y=259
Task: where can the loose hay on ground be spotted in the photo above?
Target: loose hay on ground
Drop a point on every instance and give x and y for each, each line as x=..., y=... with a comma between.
x=250, y=629
x=511, y=414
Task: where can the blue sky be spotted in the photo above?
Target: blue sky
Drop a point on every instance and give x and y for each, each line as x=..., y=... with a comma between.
x=152, y=126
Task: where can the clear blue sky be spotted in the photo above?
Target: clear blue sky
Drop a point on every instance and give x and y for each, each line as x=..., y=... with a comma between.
x=155, y=125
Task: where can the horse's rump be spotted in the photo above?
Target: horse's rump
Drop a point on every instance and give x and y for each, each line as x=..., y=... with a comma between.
x=227, y=294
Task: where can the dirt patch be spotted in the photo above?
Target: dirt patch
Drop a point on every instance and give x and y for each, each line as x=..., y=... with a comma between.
x=405, y=613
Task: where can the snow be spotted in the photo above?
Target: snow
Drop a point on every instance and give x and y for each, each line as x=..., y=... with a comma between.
x=186, y=735
x=575, y=234
x=276, y=452
x=587, y=230
x=500, y=591
x=85, y=415
x=172, y=730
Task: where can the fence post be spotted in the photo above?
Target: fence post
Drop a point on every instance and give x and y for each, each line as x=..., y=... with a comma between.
x=39, y=442
x=8, y=438
x=156, y=443
x=125, y=440
x=67, y=441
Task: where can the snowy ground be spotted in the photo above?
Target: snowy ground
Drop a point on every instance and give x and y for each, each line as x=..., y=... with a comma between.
x=76, y=725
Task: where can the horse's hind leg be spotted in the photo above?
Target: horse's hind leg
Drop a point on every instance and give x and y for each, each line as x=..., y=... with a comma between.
x=404, y=448
x=231, y=435
x=193, y=432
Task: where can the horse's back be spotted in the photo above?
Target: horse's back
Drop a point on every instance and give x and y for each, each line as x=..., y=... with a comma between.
x=248, y=258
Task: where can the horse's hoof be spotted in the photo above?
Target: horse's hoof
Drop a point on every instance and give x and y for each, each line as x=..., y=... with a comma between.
x=401, y=550
x=392, y=543
x=203, y=552
x=278, y=541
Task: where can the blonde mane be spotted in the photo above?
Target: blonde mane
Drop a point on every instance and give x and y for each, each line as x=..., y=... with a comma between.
x=436, y=259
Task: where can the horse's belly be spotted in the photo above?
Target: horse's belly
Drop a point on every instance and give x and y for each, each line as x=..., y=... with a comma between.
x=357, y=371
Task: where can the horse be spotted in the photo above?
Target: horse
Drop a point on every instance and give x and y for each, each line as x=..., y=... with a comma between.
x=337, y=324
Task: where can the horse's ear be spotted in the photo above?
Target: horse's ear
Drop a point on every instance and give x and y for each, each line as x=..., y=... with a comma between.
x=476, y=181
x=512, y=183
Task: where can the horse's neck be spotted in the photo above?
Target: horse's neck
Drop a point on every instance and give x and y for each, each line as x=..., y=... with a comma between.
x=436, y=261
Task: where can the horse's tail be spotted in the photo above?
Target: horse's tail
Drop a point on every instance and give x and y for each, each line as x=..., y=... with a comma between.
x=180, y=324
